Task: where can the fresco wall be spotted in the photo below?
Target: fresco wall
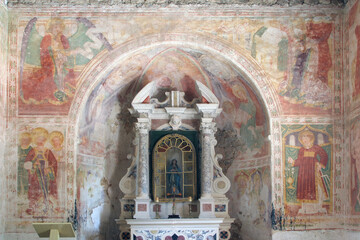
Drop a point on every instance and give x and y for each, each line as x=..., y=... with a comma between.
x=3, y=102
x=352, y=109
x=353, y=34
x=75, y=74
x=108, y=103
x=308, y=169
x=40, y=198
x=354, y=154
x=250, y=202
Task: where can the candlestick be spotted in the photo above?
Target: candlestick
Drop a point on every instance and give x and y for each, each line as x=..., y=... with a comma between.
x=157, y=208
x=173, y=207
x=190, y=200
x=173, y=215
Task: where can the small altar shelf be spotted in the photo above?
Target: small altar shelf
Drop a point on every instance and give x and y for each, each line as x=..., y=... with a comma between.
x=175, y=229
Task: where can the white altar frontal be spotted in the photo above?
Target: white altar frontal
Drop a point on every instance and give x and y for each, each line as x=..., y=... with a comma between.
x=191, y=228
x=174, y=188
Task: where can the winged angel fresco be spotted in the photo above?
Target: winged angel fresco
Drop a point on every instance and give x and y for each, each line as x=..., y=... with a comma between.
x=51, y=62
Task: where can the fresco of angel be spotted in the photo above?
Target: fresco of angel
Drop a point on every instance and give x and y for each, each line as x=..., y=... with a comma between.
x=50, y=62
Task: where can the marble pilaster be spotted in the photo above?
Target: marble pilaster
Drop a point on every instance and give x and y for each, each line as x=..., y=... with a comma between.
x=207, y=129
x=142, y=200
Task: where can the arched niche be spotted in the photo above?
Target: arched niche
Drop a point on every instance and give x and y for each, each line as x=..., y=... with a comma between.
x=109, y=83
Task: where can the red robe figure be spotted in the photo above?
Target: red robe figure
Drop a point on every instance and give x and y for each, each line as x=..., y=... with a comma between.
x=55, y=71
x=309, y=168
x=321, y=33
x=42, y=170
x=356, y=90
x=355, y=166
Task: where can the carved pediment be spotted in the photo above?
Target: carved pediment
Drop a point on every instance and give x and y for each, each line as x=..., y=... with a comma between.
x=175, y=103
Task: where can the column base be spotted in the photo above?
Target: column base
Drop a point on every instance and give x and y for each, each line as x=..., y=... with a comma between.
x=142, y=208
x=207, y=208
x=127, y=208
x=221, y=207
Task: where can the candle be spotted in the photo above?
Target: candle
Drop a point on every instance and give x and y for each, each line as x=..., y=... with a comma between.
x=190, y=199
x=157, y=199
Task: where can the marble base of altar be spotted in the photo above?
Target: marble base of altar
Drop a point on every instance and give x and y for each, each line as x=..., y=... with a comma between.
x=181, y=229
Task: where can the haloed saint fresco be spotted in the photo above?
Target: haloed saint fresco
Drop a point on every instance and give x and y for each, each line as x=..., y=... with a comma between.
x=308, y=179
x=38, y=171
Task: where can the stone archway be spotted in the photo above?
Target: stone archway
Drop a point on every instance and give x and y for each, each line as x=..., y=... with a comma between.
x=95, y=73
x=104, y=63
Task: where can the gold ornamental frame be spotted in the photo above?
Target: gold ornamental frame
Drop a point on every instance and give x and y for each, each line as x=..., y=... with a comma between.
x=174, y=169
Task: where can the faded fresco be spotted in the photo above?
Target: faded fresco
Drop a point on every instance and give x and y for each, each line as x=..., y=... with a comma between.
x=3, y=103
x=297, y=53
x=95, y=212
x=40, y=173
x=3, y=59
x=52, y=57
x=242, y=126
x=298, y=58
x=250, y=201
x=101, y=162
x=48, y=56
x=307, y=169
x=309, y=82
x=243, y=116
x=355, y=165
x=3, y=68
x=354, y=51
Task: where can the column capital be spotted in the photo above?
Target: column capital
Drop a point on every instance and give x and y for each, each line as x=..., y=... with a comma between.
x=143, y=125
x=207, y=126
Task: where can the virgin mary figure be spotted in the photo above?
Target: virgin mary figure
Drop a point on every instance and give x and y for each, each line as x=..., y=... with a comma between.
x=174, y=180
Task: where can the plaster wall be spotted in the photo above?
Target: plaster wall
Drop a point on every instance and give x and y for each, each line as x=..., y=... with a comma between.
x=3, y=103
x=317, y=234
x=287, y=60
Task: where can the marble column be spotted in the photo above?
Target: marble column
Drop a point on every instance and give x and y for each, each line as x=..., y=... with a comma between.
x=207, y=129
x=142, y=201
